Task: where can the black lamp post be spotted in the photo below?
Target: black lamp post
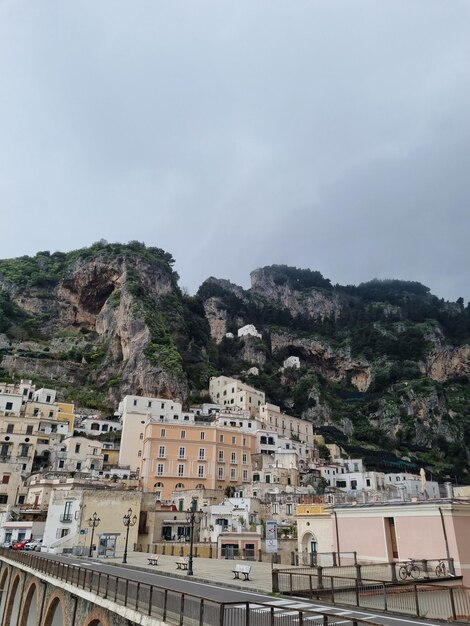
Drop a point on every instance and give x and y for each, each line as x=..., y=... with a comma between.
x=192, y=517
x=128, y=521
x=93, y=522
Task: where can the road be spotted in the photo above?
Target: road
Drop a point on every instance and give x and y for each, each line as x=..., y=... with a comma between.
x=224, y=594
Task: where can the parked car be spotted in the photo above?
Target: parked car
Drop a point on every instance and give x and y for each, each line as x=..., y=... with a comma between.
x=7, y=544
x=34, y=545
x=19, y=545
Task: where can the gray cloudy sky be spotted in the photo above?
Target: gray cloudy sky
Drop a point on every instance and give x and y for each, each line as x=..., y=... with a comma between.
x=325, y=134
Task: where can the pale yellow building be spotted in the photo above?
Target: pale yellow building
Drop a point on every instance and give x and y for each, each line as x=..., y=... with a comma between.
x=288, y=426
x=232, y=392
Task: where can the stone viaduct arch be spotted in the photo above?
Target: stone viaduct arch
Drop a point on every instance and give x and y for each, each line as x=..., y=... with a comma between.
x=29, y=600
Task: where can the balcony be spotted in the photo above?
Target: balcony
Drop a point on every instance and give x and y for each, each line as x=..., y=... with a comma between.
x=66, y=518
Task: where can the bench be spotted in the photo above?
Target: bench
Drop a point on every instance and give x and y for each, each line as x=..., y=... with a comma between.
x=182, y=562
x=242, y=569
x=153, y=560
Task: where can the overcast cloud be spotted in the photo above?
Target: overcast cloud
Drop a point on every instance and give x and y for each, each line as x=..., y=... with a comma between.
x=325, y=134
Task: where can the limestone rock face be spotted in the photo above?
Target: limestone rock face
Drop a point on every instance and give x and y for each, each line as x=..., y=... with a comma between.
x=217, y=318
x=448, y=363
x=95, y=298
x=334, y=365
x=313, y=303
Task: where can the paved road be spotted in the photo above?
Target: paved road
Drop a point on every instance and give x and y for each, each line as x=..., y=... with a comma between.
x=223, y=594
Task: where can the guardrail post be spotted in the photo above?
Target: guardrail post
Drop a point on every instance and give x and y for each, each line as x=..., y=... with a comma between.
x=416, y=600
x=452, y=603
x=126, y=591
x=325, y=620
x=165, y=601
x=310, y=586
x=150, y=600
x=355, y=557
x=182, y=609
x=320, y=577
x=334, y=558
x=356, y=588
x=106, y=587
x=247, y=614
x=201, y=612
x=290, y=582
x=137, y=596
x=385, y=597
x=116, y=588
x=275, y=581
x=358, y=573
x=332, y=586
x=221, y=614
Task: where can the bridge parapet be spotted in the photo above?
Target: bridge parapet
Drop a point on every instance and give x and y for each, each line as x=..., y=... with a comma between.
x=67, y=594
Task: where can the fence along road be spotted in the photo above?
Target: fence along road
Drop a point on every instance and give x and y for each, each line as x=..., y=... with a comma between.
x=177, y=600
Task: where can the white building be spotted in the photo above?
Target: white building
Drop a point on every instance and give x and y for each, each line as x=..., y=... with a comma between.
x=94, y=425
x=292, y=362
x=133, y=412
x=248, y=331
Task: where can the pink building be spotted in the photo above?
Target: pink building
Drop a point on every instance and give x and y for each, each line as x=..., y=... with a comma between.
x=438, y=529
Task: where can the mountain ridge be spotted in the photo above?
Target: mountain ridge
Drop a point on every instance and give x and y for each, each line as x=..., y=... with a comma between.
x=384, y=364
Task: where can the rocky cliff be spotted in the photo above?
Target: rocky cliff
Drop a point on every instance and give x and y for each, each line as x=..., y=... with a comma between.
x=381, y=368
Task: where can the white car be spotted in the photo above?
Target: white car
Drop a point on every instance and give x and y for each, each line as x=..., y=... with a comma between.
x=34, y=545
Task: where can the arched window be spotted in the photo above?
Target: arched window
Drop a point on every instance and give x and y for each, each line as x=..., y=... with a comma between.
x=179, y=486
x=200, y=486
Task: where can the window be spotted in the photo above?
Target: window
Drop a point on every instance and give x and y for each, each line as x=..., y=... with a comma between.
x=51, y=413
x=263, y=439
x=179, y=486
x=105, y=458
x=160, y=469
x=234, y=440
x=48, y=398
x=135, y=402
x=221, y=473
x=275, y=508
x=245, y=476
x=289, y=509
x=161, y=452
x=234, y=457
x=233, y=474
x=149, y=404
x=244, y=457
x=181, y=470
x=244, y=441
x=221, y=438
x=163, y=405
x=139, y=453
x=367, y=482
x=61, y=463
x=104, y=428
x=221, y=456
x=79, y=466
x=4, y=449
x=64, y=532
x=67, y=514
x=6, y=479
x=183, y=434
x=200, y=471
x=203, y=435
x=163, y=432
x=202, y=454
x=8, y=406
x=77, y=448
x=24, y=449
x=10, y=428
x=95, y=427
x=182, y=453
x=3, y=499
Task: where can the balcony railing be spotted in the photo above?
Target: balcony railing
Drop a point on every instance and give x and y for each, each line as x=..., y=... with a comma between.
x=66, y=518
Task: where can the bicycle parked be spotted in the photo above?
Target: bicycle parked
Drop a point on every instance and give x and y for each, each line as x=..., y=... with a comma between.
x=409, y=570
x=441, y=569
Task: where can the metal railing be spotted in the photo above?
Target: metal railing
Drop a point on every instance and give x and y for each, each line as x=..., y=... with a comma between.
x=170, y=606
x=422, y=599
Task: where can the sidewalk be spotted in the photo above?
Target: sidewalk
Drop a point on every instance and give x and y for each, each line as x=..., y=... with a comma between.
x=207, y=570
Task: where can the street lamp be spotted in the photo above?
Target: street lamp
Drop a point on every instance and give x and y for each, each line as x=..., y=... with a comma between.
x=192, y=517
x=93, y=522
x=128, y=521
